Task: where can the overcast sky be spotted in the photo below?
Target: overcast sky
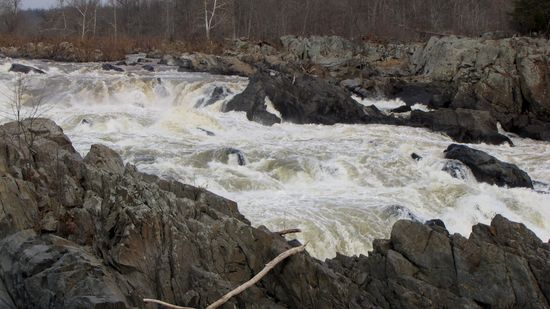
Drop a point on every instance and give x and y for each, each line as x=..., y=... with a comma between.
x=38, y=4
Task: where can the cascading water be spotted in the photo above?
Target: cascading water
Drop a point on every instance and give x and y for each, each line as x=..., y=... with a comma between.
x=343, y=185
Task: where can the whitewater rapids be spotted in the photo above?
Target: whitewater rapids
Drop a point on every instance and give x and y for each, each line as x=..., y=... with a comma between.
x=343, y=185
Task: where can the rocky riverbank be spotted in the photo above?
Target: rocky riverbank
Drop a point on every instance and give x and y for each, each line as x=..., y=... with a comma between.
x=92, y=232
x=470, y=84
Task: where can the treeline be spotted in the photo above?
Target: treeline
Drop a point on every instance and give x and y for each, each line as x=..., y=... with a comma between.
x=261, y=19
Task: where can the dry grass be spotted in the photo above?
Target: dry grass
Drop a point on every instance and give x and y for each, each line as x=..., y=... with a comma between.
x=87, y=50
x=392, y=63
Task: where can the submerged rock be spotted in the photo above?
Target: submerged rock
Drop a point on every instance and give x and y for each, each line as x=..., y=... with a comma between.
x=487, y=168
x=25, y=69
x=225, y=155
x=149, y=68
x=111, y=67
x=456, y=169
x=416, y=157
x=209, y=133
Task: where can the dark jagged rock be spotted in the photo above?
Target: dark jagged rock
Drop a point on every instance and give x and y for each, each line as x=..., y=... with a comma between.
x=217, y=94
x=487, y=168
x=416, y=157
x=25, y=69
x=300, y=99
x=434, y=95
x=225, y=154
x=209, y=133
x=456, y=169
x=149, y=68
x=122, y=235
x=111, y=67
x=436, y=222
x=528, y=126
x=401, y=109
x=399, y=212
x=48, y=263
x=355, y=86
x=462, y=125
x=503, y=265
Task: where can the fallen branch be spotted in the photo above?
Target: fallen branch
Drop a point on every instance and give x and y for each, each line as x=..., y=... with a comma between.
x=156, y=301
x=289, y=231
x=268, y=267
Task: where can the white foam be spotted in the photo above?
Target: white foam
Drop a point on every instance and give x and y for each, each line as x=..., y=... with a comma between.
x=338, y=183
x=271, y=109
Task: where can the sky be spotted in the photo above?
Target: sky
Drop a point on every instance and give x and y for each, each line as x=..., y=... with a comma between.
x=38, y=4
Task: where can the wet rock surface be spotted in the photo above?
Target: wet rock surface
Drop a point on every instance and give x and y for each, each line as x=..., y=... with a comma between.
x=462, y=125
x=489, y=169
x=25, y=69
x=95, y=233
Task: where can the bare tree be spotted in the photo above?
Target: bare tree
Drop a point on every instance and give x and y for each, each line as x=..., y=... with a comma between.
x=85, y=9
x=212, y=15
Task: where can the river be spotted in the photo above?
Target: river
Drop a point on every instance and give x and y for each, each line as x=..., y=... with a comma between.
x=343, y=185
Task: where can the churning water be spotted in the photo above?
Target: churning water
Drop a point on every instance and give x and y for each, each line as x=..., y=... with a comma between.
x=343, y=185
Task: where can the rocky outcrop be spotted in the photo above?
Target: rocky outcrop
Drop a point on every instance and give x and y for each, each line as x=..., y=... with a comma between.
x=95, y=233
x=503, y=265
x=489, y=169
x=508, y=77
x=272, y=97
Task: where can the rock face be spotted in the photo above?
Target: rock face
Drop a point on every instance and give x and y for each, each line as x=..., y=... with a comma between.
x=95, y=233
x=489, y=169
x=508, y=77
x=299, y=99
x=503, y=265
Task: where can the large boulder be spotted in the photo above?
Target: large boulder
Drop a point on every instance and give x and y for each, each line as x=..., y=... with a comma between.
x=489, y=169
x=273, y=97
x=462, y=125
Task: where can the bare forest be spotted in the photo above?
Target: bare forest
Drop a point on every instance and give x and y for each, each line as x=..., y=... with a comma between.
x=218, y=20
